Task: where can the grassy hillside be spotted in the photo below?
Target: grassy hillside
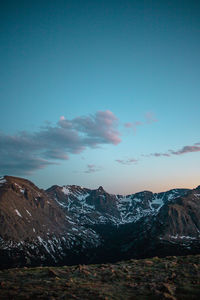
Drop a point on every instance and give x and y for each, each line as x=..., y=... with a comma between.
x=156, y=278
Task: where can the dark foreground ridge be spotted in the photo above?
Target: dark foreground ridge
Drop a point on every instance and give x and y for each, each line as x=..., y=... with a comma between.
x=176, y=278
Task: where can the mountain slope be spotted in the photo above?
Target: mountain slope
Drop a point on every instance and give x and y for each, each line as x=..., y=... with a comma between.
x=72, y=224
x=99, y=207
x=175, y=230
x=34, y=228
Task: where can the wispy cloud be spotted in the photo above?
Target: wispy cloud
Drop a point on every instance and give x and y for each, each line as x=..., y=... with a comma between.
x=25, y=152
x=156, y=154
x=183, y=150
x=150, y=117
x=127, y=161
x=186, y=149
x=133, y=125
x=92, y=169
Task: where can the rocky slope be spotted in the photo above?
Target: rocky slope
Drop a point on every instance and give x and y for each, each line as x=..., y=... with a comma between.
x=175, y=278
x=33, y=227
x=99, y=207
x=72, y=224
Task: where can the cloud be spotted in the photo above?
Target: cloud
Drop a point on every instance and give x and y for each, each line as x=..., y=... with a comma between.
x=183, y=150
x=127, y=161
x=97, y=129
x=159, y=154
x=186, y=149
x=26, y=152
x=20, y=165
x=133, y=125
x=92, y=169
x=150, y=117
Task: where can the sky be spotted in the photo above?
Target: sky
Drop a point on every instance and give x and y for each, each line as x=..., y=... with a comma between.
x=101, y=93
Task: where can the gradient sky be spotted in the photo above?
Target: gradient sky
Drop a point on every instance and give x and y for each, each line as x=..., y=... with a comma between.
x=101, y=93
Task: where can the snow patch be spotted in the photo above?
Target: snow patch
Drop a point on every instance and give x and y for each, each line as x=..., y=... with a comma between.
x=40, y=239
x=28, y=212
x=60, y=203
x=45, y=245
x=65, y=190
x=124, y=199
x=82, y=197
x=19, y=186
x=197, y=195
x=183, y=237
x=137, y=199
x=74, y=229
x=69, y=220
x=18, y=213
x=158, y=201
x=171, y=197
x=2, y=180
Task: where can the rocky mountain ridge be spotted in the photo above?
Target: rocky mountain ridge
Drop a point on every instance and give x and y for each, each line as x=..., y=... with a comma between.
x=34, y=229
x=72, y=224
x=101, y=207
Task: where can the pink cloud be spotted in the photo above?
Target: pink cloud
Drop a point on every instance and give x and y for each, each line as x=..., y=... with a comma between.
x=186, y=149
x=183, y=150
x=128, y=125
x=150, y=117
x=133, y=125
x=127, y=161
x=92, y=168
x=159, y=154
x=100, y=128
x=36, y=150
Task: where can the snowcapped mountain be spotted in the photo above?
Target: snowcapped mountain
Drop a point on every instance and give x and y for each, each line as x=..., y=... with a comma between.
x=99, y=207
x=179, y=222
x=71, y=224
x=34, y=228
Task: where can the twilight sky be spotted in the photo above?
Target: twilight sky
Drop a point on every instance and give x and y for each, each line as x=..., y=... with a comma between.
x=101, y=93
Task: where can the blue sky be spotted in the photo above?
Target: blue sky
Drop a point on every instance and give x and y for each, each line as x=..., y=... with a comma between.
x=101, y=93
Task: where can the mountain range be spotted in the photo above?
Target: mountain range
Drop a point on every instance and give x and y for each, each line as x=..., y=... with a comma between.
x=74, y=225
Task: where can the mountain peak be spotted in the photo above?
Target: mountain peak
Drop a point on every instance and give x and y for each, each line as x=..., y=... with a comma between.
x=100, y=189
